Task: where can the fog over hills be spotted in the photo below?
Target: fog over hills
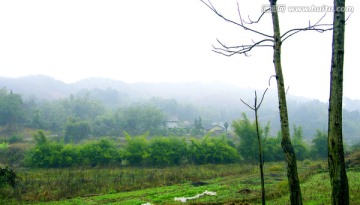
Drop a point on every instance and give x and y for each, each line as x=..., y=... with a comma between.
x=216, y=102
x=44, y=87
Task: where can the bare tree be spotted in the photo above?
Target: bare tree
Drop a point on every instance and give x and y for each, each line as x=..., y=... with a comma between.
x=255, y=108
x=274, y=41
x=338, y=178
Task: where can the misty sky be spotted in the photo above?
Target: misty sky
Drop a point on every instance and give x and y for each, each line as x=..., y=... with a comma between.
x=168, y=41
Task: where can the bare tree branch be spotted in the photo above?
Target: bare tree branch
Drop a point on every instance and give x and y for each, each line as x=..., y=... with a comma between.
x=242, y=49
x=238, y=8
x=273, y=76
x=321, y=28
x=287, y=90
x=250, y=21
x=210, y=6
x=257, y=21
x=247, y=105
x=348, y=16
x=245, y=49
x=319, y=19
x=235, y=47
x=318, y=28
x=262, y=98
x=256, y=106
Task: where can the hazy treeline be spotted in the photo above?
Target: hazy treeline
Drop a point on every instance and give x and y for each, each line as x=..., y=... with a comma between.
x=106, y=112
x=79, y=117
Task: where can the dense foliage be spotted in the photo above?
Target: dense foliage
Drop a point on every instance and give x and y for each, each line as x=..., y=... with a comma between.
x=212, y=150
x=320, y=149
x=272, y=151
x=158, y=151
x=299, y=145
x=55, y=154
x=246, y=130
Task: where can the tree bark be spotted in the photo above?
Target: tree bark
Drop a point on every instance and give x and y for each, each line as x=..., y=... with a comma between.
x=290, y=158
x=336, y=161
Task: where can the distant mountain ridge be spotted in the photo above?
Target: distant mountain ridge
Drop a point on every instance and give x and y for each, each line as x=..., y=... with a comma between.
x=45, y=87
x=42, y=87
x=199, y=93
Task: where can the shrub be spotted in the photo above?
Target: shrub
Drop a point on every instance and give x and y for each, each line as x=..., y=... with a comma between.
x=315, y=167
x=4, y=145
x=136, y=150
x=319, y=149
x=246, y=130
x=353, y=159
x=276, y=168
x=15, y=153
x=9, y=186
x=54, y=154
x=307, y=162
x=3, y=152
x=69, y=156
x=212, y=150
x=44, y=154
x=8, y=177
x=167, y=151
x=272, y=149
x=101, y=152
x=15, y=138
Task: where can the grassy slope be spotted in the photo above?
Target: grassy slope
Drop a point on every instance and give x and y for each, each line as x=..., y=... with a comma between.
x=316, y=190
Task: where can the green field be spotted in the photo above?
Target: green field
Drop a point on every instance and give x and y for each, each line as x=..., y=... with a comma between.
x=234, y=184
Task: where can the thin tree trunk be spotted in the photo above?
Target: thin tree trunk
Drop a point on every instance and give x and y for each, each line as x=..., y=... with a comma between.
x=261, y=161
x=293, y=179
x=338, y=178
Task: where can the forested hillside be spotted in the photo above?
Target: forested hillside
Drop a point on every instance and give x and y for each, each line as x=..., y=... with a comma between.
x=49, y=104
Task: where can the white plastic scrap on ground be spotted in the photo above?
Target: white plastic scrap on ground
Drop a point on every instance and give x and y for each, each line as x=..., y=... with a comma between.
x=184, y=199
x=147, y=203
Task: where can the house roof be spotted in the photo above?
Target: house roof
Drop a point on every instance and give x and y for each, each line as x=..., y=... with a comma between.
x=172, y=119
x=217, y=128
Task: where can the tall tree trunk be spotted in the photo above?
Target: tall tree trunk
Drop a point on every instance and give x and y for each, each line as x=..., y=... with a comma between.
x=293, y=179
x=338, y=178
